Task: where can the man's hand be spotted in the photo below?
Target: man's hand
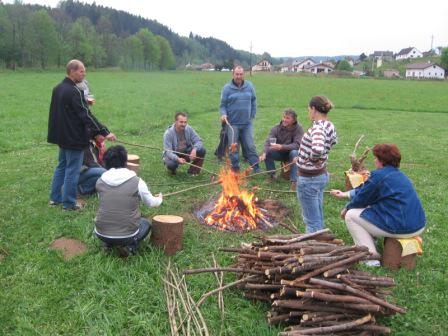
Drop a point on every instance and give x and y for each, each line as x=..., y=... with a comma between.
x=343, y=213
x=181, y=160
x=99, y=138
x=224, y=118
x=193, y=154
x=262, y=157
x=275, y=147
x=111, y=137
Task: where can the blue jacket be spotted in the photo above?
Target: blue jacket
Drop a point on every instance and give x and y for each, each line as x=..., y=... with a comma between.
x=170, y=141
x=390, y=200
x=239, y=104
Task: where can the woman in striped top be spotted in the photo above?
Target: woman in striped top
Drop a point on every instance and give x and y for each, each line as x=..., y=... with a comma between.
x=312, y=163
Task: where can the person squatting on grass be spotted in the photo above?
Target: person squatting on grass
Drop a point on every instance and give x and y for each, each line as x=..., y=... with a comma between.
x=68, y=121
x=312, y=163
x=118, y=221
x=287, y=135
x=386, y=205
x=92, y=168
x=182, y=138
x=239, y=107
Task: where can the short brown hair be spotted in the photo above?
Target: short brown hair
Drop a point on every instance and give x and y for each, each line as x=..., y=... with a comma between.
x=387, y=154
x=72, y=65
x=321, y=104
x=290, y=112
x=180, y=113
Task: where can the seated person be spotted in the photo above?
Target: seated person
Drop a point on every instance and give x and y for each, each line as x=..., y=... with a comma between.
x=118, y=221
x=386, y=205
x=91, y=169
x=182, y=138
x=288, y=135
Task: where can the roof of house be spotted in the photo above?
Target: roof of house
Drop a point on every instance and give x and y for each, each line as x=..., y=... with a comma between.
x=320, y=65
x=420, y=66
x=300, y=61
x=405, y=51
x=383, y=53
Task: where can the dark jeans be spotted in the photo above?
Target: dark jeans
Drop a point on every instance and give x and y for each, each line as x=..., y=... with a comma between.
x=65, y=177
x=144, y=228
x=272, y=156
x=198, y=161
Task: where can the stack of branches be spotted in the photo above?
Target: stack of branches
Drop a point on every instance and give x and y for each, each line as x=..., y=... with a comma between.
x=358, y=163
x=311, y=284
x=184, y=316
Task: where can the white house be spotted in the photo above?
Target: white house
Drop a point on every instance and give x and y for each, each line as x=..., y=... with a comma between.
x=425, y=70
x=301, y=64
x=319, y=68
x=263, y=65
x=410, y=52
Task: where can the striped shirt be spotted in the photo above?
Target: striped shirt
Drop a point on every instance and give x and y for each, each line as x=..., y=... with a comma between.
x=315, y=146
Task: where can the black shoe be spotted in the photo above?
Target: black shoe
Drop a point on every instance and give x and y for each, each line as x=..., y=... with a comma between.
x=123, y=251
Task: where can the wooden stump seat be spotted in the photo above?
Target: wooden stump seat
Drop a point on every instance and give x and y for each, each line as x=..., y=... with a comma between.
x=392, y=258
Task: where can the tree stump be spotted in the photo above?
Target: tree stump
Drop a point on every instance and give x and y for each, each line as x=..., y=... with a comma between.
x=392, y=258
x=132, y=158
x=167, y=232
x=133, y=166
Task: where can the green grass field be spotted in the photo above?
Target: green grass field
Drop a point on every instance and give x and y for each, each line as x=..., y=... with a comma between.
x=99, y=294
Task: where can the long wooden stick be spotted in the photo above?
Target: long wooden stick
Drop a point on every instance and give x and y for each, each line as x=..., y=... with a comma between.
x=173, y=151
x=222, y=269
x=206, y=295
x=358, y=292
x=191, y=188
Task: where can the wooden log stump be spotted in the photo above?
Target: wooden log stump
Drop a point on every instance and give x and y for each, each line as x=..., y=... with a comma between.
x=167, y=232
x=392, y=258
x=133, y=166
x=132, y=158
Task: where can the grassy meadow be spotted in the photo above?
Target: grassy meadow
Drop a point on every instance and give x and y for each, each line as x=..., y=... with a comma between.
x=100, y=294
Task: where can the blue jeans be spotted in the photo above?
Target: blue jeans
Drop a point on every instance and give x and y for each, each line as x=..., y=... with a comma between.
x=310, y=192
x=87, y=179
x=245, y=135
x=143, y=231
x=272, y=156
x=65, y=178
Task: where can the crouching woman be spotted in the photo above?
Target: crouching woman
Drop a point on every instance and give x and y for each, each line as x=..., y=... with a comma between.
x=386, y=205
x=118, y=221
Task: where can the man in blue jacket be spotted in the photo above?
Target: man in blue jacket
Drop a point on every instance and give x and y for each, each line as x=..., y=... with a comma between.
x=68, y=122
x=238, y=108
x=182, y=144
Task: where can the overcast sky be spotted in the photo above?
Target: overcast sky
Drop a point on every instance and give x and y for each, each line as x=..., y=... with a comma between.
x=299, y=28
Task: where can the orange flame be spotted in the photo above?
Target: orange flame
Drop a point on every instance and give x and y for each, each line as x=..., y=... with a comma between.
x=235, y=208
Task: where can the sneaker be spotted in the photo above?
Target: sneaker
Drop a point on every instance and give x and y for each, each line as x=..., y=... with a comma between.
x=257, y=170
x=53, y=203
x=372, y=263
x=76, y=207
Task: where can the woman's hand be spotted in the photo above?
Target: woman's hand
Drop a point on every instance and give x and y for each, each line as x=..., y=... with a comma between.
x=338, y=194
x=343, y=213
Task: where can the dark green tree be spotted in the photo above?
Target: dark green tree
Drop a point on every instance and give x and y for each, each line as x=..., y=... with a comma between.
x=444, y=58
x=343, y=65
x=151, y=49
x=167, y=60
x=42, y=41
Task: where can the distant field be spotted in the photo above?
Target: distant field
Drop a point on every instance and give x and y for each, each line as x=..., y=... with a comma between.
x=98, y=294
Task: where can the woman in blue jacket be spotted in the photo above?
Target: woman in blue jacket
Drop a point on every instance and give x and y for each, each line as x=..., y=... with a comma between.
x=386, y=205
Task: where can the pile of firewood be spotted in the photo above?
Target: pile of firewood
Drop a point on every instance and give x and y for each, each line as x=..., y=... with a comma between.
x=311, y=284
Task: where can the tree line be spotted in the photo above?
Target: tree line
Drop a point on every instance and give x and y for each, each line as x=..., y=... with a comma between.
x=39, y=36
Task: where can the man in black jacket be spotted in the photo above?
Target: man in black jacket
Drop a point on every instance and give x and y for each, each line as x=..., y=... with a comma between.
x=68, y=122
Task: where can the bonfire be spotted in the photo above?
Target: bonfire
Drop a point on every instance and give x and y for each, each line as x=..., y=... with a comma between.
x=235, y=209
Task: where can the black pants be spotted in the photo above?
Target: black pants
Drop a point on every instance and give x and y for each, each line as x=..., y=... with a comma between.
x=144, y=228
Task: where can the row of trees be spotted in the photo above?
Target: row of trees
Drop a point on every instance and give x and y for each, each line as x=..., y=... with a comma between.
x=33, y=37
x=37, y=36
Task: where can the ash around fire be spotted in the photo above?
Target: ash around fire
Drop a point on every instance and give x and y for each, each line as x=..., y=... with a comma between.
x=271, y=211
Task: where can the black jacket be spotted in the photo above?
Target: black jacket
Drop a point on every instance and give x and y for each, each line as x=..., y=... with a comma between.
x=70, y=117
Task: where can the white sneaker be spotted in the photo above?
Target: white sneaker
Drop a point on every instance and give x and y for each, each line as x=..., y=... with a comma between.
x=372, y=263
